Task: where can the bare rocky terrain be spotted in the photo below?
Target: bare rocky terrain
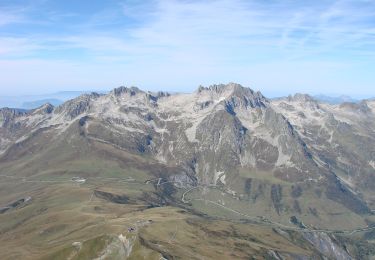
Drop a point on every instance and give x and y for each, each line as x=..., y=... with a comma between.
x=224, y=160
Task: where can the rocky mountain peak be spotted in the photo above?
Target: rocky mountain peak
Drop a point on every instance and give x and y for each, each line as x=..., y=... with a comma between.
x=305, y=100
x=225, y=88
x=299, y=97
x=361, y=107
x=44, y=109
x=77, y=106
x=132, y=91
x=235, y=95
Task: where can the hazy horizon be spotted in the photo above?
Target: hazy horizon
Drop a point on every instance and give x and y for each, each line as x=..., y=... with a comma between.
x=24, y=101
x=267, y=94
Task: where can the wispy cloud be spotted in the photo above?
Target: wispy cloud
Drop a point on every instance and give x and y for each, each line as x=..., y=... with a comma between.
x=212, y=25
x=203, y=38
x=6, y=19
x=16, y=46
x=11, y=16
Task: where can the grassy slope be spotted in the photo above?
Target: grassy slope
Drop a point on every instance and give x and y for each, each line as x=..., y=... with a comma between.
x=62, y=212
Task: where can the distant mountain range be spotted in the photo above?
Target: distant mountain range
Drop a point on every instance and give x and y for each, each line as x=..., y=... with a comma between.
x=41, y=102
x=335, y=100
x=34, y=101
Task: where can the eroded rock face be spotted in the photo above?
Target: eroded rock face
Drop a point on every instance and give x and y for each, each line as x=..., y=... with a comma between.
x=324, y=244
x=75, y=107
x=361, y=107
x=8, y=117
x=340, y=137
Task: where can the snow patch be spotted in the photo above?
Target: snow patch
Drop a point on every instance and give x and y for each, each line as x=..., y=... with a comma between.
x=21, y=139
x=219, y=176
x=191, y=131
x=220, y=99
x=284, y=159
x=127, y=244
x=372, y=164
x=247, y=159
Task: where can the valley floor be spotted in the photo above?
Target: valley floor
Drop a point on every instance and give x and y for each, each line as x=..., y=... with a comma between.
x=113, y=219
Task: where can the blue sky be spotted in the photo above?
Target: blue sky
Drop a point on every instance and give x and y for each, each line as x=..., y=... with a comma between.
x=278, y=47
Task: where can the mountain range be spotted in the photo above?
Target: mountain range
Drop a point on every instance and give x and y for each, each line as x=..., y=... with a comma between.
x=221, y=159
x=34, y=101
